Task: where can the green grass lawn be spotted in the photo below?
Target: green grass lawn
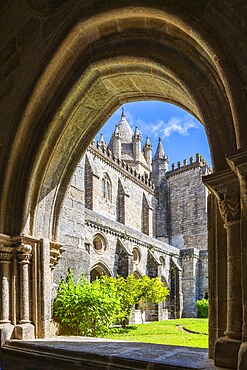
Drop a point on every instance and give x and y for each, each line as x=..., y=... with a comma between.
x=166, y=332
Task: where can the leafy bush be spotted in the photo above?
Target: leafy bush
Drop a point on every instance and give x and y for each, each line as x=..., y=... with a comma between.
x=202, y=308
x=84, y=308
x=81, y=308
x=132, y=291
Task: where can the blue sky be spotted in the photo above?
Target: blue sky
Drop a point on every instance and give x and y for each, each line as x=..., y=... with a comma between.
x=182, y=135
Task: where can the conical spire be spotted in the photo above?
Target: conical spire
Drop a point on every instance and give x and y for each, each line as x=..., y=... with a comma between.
x=148, y=143
x=101, y=139
x=160, y=152
x=124, y=129
x=101, y=143
x=137, y=134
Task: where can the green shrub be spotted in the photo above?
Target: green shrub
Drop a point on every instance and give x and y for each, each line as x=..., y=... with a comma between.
x=81, y=308
x=202, y=308
x=141, y=291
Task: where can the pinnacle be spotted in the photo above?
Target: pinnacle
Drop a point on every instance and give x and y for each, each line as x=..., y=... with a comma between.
x=101, y=139
x=116, y=132
x=160, y=152
x=148, y=143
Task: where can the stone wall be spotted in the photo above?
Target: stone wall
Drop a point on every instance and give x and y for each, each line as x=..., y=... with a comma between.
x=187, y=206
x=86, y=214
x=138, y=198
x=71, y=230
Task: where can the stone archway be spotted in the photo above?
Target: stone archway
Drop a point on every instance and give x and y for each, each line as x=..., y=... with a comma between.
x=98, y=270
x=140, y=66
x=105, y=55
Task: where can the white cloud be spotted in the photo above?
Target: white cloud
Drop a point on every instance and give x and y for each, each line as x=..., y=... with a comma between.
x=178, y=125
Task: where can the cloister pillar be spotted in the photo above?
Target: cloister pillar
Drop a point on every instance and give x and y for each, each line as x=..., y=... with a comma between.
x=25, y=329
x=6, y=324
x=5, y=286
x=238, y=163
x=225, y=186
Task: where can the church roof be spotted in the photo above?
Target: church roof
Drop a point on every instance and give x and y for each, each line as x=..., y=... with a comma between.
x=126, y=136
x=125, y=133
x=125, y=130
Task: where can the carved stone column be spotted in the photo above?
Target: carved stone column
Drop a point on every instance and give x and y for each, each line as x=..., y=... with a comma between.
x=238, y=163
x=24, y=258
x=25, y=330
x=225, y=187
x=5, y=258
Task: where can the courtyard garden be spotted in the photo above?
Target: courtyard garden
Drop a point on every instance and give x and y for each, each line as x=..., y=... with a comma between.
x=103, y=308
x=180, y=332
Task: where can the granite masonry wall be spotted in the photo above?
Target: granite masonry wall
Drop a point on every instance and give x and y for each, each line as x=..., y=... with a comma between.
x=88, y=213
x=187, y=195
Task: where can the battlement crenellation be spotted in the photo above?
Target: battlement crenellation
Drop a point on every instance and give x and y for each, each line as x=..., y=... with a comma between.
x=198, y=162
x=122, y=165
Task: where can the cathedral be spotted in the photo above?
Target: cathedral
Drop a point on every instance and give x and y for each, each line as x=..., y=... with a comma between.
x=138, y=217
x=65, y=67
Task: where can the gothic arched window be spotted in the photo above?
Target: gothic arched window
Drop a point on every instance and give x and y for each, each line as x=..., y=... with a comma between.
x=106, y=187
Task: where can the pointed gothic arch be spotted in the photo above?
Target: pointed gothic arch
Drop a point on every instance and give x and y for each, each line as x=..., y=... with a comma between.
x=137, y=273
x=99, y=269
x=177, y=52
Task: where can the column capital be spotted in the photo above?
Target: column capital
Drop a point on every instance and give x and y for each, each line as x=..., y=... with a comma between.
x=56, y=250
x=238, y=164
x=225, y=186
x=6, y=253
x=24, y=252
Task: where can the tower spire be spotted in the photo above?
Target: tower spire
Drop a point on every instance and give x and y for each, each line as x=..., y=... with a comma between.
x=160, y=152
x=122, y=115
x=160, y=161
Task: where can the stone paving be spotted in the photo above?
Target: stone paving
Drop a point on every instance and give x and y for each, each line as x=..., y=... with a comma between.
x=93, y=353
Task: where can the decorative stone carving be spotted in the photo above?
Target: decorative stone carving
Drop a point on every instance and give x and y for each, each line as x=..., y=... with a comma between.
x=225, y=187
x=229, y=206
x=24, y=253
x=5, y=256
x=238, y=163
x=55, y=253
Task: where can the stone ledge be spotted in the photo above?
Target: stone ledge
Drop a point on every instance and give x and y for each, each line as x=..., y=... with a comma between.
x=91, y=354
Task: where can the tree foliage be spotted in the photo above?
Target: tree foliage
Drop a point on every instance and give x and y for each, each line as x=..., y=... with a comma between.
x=84, y=308
x=202, y=308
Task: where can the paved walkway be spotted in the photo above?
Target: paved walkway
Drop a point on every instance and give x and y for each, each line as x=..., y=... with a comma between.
x=92, y=353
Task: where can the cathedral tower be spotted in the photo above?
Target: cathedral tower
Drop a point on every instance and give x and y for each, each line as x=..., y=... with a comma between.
x=158, y=176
